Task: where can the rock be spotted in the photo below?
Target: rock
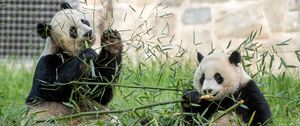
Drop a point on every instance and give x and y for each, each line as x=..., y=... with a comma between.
x=146, y=2
x=171, y=3
x=196, y=16
x=294, y=5
x=233, y=20
x=275, y=12
x=163, y=26
x=201, y=41
x=292, y=23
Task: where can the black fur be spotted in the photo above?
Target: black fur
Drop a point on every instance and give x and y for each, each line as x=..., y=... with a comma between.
x=43, y=30
x=65, y=5
x=199, y=57
x=53, y=70
x=254, y=100
x=235, y=58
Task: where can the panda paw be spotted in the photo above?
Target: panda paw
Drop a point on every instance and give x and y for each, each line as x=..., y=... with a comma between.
x=88, y=54
x=111, y=41
x=191, y=96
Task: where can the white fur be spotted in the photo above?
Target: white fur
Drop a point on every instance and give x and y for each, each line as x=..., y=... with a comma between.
x=94, y=13
x=64, y=19
x=234, y=76
x=60, y=26
x=50, y=48
x=211, y=84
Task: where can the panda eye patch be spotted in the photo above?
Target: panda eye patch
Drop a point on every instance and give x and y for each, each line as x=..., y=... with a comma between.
x=85, y=22
x=218, y=78
x=202, y=78
x=73, y=32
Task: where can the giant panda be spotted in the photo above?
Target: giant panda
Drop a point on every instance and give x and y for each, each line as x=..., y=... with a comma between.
x=222, y=77
x=64, y=60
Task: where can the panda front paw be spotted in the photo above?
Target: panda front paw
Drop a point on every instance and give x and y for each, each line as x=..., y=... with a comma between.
x=191, y=96
x=88, y=54
x=111, y=41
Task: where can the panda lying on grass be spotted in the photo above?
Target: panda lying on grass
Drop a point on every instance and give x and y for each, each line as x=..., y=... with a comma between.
x=64, y=60
x=220, y=81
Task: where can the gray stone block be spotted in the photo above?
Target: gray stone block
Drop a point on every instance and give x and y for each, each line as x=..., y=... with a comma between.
x=239, y=20
x=276, y=12
x=292, y=23
x=294, y=5
x=196, y=16
x=171, y=3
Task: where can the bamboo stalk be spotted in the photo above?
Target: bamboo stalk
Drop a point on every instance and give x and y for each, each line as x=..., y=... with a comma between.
x=119, y=85
x=92, y=67
x=228, y=110
x=127, y=86
x=94, y=113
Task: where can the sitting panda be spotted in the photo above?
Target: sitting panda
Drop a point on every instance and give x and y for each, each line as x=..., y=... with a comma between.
x=64, y=60
x=225, y=81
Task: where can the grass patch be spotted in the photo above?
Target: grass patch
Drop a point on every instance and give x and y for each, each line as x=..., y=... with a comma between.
x=281, y=92
x=15, y=87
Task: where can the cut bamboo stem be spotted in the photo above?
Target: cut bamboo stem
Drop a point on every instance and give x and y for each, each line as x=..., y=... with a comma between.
x=92, y=67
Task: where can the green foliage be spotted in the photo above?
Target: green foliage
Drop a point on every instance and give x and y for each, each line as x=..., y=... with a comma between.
x=15, y=85
x=282, y=94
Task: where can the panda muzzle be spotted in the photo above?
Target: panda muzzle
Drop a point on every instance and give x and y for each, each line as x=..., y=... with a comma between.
x=88, y=34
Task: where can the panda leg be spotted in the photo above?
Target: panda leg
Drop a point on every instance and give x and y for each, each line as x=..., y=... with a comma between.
x=108, y=64
x=110, y=57
x=44, y=110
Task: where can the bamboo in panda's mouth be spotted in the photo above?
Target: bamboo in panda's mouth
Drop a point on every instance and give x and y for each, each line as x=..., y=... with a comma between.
x=207, y=97
x=92, y=67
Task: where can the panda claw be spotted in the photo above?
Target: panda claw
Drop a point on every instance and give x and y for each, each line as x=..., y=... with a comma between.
x=111, y=41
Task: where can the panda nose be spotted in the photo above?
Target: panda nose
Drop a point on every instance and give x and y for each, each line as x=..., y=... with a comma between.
x=88, y=33
x=207, y=91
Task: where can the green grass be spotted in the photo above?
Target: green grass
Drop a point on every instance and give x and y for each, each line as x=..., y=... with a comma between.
x=15, y=85
x=282, y=93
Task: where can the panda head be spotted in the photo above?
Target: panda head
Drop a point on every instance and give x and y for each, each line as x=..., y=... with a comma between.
x=219, y=74
x=68, y=30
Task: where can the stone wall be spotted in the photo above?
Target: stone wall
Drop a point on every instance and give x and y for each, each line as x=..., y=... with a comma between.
x=190, y=25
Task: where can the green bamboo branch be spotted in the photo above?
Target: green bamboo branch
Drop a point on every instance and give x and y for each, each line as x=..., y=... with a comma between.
x=94, y=113
x=92, y=67
x=227, y=111
x=127, y=86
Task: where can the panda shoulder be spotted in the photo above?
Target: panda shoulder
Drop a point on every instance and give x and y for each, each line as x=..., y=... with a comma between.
x=244, y=76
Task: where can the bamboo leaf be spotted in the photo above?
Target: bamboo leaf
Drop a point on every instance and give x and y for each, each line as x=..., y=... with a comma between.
x=229, y=44
x=132, y=8
x=284, y=43
x=297, y=52
x=251, y=118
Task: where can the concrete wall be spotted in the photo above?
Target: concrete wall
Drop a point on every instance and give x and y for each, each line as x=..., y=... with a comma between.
x=184, y=26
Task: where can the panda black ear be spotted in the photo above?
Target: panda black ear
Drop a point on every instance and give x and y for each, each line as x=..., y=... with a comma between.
x=199, y=57
x=235, y=57
x=43, y=30
x=65, y=5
